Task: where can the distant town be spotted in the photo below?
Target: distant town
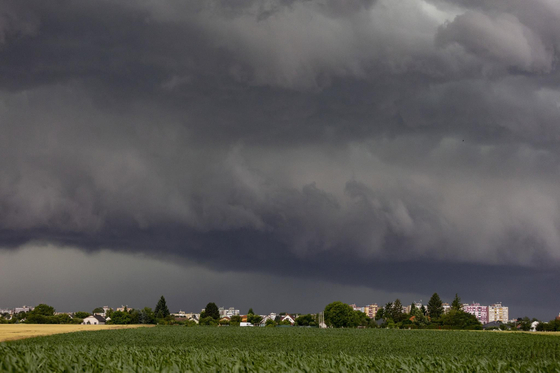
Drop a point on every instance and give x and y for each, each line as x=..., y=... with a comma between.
x=435, y=314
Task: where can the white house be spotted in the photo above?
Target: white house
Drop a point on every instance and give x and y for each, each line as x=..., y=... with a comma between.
x=289, y=319
x=94, y=320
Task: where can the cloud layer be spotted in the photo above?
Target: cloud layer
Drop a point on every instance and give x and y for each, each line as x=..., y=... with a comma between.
x=288, y=137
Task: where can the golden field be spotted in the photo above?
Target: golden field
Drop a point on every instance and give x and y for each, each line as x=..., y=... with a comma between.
x=10, y=332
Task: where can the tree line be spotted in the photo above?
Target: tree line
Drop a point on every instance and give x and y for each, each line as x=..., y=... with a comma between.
x=45, y=314
x=210, y=316
x=392, y=315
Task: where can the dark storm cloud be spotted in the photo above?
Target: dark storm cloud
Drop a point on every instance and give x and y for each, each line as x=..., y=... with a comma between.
x=363, y=142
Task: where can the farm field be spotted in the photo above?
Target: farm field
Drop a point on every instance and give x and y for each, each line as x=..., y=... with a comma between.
x=201, y=349
x=10, y=332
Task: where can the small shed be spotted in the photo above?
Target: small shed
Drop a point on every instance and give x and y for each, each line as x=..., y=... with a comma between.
x=94, y=320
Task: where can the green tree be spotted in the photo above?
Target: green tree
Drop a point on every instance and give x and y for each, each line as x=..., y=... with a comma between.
x=254, y=319
x=397, y=313
x=457, y=319
x=62, y=319
x=380, y=314
x=42, y=314
x=235, y=320
x=424, y=311
x=44, y=310
x=340, y=315
x=435, y=307
x=146, y=316
x=361, y=319
x=81, y=314
x=270, y=323
x=120, y=318
x=209, y=321
x=212, y=311
x=250, y=312
x=97, y=310
x=388, y=310
x=306, y=320
x=456, y=304
x=161, y=310
x=419, y=317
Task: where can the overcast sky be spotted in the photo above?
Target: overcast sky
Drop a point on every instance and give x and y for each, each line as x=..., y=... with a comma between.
x=279, y=154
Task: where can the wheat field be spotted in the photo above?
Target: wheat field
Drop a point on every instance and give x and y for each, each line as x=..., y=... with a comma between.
x=10, y=332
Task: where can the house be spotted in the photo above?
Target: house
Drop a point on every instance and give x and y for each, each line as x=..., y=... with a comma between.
x=94, y=320
x=289, y=319
x=272, y=316
x=245, y=324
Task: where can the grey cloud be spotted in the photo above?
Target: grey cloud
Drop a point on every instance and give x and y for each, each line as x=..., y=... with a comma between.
x=299, y=138
x=503, y=40
x=16, y=22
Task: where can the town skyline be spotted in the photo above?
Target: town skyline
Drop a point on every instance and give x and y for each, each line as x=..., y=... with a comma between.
x=491, y=312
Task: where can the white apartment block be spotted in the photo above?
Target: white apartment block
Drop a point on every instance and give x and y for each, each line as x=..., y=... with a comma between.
x=23, y=309
x=229, y=312
x=497, y=312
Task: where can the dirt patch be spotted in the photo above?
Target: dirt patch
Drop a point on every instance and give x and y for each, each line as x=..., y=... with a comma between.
x=10, y=332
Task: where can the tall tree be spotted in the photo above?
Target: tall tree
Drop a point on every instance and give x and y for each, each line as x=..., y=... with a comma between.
x=435, y=307
x=456, y=304
x=161, y=310
x=212, y=311
x=250, y=312
x=397, y=311
x=424, y=311
x=388, y=312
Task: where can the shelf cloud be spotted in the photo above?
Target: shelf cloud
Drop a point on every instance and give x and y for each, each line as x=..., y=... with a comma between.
x=370, y=143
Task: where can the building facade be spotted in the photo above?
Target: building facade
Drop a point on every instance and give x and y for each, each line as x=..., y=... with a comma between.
x=370, y=310
x=229, y=312
x=497, y=312
x=23, y=309
x=481, y=312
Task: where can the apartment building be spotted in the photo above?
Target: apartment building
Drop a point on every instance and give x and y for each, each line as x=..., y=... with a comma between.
x=229, y=312
x=481, y=312
x=370, y=310
x=497, y=312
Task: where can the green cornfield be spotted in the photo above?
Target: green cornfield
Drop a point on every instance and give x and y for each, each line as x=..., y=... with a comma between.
x=206, y=349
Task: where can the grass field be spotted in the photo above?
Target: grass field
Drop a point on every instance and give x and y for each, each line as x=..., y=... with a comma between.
x=180, y=349
x=10, y=332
